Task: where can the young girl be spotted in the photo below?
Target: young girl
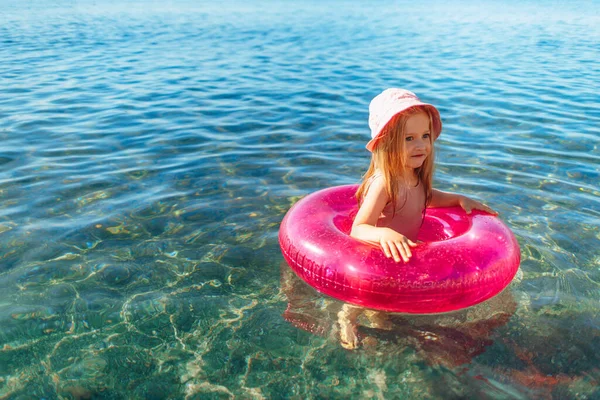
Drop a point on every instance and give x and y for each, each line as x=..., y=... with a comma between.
x=397, y=187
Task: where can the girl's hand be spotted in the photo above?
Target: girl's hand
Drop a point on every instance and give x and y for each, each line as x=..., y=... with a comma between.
x=396, y=245
x=469, y=204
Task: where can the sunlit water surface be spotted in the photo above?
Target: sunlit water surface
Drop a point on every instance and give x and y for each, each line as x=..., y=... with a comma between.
x=149, y=150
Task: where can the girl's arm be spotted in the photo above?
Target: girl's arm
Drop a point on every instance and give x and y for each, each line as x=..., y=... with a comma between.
x=447, y=199
x=365, y=226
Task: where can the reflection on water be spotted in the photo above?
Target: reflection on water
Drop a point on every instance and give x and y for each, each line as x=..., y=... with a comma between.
x=150, y=150
x=443, y=341
x=450, y=339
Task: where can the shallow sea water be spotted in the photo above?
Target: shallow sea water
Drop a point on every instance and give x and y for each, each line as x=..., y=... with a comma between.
x=149, y=150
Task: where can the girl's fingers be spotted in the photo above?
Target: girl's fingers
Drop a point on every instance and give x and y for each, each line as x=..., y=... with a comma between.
x=401, y=251
x=487, y=209
x=390, y=251
x=398, y=249
x=396, y=253
x=471, y=205
x=490, y=210
x=386, y=249
x=407, y=250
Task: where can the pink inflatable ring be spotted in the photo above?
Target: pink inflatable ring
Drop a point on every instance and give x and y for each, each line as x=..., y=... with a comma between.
x=463, y=260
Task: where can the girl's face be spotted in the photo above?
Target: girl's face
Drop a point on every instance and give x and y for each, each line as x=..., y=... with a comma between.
x=417, y=140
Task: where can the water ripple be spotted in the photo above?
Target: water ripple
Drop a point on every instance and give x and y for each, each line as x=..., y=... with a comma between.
x=149, y=152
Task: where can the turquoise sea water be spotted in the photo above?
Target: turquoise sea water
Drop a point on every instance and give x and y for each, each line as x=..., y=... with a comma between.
x=149, y=150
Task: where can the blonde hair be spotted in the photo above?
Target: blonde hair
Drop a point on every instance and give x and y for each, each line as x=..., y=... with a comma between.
x=389, y=157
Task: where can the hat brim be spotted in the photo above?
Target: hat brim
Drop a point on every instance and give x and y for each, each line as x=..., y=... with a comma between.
x=436, y=123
